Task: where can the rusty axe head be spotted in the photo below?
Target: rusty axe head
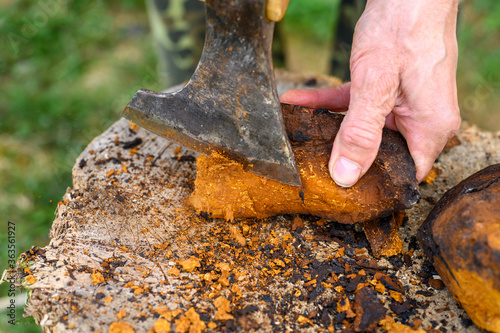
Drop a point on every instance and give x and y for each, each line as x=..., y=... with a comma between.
x=231, y=103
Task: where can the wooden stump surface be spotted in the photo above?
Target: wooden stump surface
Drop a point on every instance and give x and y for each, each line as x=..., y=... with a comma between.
x=126, y=251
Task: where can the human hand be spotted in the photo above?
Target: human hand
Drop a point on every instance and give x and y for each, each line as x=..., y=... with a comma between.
x=403, y=76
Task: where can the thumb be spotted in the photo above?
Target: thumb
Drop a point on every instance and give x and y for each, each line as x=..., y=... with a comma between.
x=373, y=94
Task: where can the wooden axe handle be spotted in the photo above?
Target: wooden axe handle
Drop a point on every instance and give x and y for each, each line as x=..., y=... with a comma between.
x=275, y=9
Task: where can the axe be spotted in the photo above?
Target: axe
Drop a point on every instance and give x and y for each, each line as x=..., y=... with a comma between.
x=230, y=104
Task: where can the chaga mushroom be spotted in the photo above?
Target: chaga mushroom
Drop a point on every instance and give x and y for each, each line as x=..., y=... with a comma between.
x=461, y=236
x=225, y=190
x=383, y=236
x=369, y=310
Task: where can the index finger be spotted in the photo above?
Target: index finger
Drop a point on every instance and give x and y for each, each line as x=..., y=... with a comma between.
x=332, y=98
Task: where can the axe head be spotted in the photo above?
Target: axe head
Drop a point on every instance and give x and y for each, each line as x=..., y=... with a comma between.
x=231, y=103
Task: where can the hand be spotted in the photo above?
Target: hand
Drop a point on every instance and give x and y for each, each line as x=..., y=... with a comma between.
x=403, y=76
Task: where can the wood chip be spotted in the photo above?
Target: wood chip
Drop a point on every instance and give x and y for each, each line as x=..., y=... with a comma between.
x=392, y=283
x=238, y=237
x=190, y=322
x=436, y=283
x=369, y=310
x=122, y=314
x=383, y=236
x=97, y=277
x=304, y=321
x=161, y=326
x=121, y=327
x=297, y=223
x=396, y=296
x=345, y=306
x=174, y=272
x=190, y=264
x=133, y=126
x=30, y=279
x=432, y=175
x=223, y=309
x=391, y=326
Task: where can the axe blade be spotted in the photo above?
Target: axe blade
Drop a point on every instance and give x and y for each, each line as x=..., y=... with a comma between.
x=231, y=103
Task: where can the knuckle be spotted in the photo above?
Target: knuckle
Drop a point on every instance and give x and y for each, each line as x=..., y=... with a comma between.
x=450, y=123
x=375, y=87
x=456, y=121
x=362, y=135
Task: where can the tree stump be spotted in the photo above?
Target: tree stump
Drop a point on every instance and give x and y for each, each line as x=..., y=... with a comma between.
x=127, y=252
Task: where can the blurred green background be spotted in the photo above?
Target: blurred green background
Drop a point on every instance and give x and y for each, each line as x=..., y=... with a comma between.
x=67, y=69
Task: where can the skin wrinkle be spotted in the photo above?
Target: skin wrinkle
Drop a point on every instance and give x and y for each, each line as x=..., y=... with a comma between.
x=360, y=133
x=379, y=101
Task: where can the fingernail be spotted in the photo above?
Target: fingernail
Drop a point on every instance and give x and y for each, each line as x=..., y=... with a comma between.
x=345, y=172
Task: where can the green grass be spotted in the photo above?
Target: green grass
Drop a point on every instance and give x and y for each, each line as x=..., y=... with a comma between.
x=66, y=72
x=479, y=63
x=315, y=19
x=66, y=75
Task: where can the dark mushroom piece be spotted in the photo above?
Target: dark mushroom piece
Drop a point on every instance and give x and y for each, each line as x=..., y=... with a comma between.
x=461, y=236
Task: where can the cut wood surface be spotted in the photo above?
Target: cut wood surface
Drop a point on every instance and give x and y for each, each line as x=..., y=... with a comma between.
x=128, y=254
